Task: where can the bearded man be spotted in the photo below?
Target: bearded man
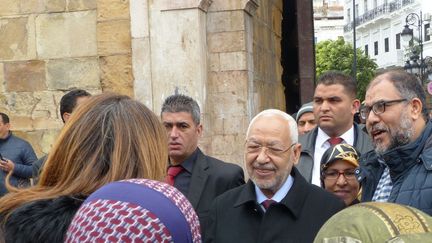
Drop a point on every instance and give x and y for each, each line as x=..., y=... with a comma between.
x=399, y=169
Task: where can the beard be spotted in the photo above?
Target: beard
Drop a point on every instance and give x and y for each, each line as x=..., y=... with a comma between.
x=398, y=137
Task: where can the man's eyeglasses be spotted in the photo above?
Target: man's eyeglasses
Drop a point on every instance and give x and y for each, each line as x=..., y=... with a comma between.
x=334, y=174
x=273, y=150
x=378, y=107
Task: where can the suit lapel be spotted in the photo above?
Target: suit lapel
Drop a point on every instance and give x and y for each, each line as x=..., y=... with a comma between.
x=198, y=179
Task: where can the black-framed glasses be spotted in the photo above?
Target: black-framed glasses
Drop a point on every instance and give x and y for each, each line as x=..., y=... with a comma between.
x=378, y=107
x=334, y=174
x=253, y=147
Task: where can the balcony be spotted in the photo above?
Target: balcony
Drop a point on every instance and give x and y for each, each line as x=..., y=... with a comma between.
x=377, y=12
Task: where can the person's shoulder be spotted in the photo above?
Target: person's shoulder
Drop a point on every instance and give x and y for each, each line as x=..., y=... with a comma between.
x=45, y=219
x=18, y=141
x=217, y=163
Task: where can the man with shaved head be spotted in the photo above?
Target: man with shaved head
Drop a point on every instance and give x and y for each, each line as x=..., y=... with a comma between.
x=399, y=170
x=277, y=204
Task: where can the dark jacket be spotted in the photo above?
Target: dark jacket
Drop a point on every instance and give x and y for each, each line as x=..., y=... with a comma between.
x=21, y=153
x=410, y=171
x=362, y=143
x=210, y=178
x=41, y=221
x=236, y=216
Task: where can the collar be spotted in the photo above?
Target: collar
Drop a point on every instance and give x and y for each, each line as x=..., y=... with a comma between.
x=7, y=137
x=189, y=162
x=322, y=137
x=293, y=201
x=401, y=158
x=279, y=195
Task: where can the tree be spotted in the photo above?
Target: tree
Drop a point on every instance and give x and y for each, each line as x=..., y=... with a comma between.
x=338, y=55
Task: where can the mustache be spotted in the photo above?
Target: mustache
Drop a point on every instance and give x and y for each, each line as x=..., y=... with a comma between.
x=267, y=166
x=377, y=128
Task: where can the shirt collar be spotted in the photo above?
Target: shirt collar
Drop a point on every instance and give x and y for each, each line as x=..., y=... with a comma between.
x=190, y=161
x=279, y=195
x=322, y=137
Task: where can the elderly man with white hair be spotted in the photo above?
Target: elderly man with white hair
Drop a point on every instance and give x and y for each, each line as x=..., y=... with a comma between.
x=277, y=204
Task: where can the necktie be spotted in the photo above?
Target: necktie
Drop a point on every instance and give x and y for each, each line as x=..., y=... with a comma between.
x=267, y=203
x=334, y=141
x=173, y=171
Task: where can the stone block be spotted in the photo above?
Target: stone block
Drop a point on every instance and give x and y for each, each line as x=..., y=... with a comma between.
x=116, y=74
x=46, y=106
x=277, y=21
x=225, y=21
x=141, y=67
x=113, y=9
x=214, y=62
x=9, y=7
x=74, y=72
x=20, y=103
x=71, y=34
x=139, y=13
x=21, y=123
x=226, y=104
x=233, y=61
x=48, y=139
x=226, y=41
x=55, y=5
x=25, y=76
x=227, y=144
x=113, y=37
x=35, y=6
x=79, y=5
x=2, y=79
x=226, y=5
x=17, y=38
x=235, y=82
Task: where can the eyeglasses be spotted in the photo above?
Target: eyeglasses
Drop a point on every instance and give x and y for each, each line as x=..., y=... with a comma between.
x=334, y=174
x=377, y=107
x=253, y=147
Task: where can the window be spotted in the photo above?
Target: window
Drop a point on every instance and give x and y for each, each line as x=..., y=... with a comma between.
x=356, y=11
x=376, y=48
x=349, y=15
x=398, y=38
x=366, y=50
x=386, y=44
x=426, y=30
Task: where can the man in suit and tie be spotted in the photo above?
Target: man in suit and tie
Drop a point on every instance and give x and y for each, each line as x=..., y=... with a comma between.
x=199, y=177
x=334, y=106
x=277, y=204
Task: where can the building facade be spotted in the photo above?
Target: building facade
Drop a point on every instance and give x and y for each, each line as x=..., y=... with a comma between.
x=231, y=56
x=328, y=19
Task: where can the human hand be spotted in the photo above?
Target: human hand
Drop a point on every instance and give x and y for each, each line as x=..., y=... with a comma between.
x=7, y=165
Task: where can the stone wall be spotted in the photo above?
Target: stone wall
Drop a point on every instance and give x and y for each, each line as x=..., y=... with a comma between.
x=224, y=53
x=49, y=47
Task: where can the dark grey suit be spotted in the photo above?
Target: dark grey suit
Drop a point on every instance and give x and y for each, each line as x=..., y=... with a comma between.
x=210, y=178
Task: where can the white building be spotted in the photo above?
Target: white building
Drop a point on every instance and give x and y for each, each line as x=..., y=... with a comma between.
x=379, y=24
x=328, y=19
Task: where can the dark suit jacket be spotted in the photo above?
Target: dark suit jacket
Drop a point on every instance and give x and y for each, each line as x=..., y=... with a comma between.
x=235, y=216
x=210, y=178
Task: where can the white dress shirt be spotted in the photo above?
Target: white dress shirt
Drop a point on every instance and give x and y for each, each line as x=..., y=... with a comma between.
x=278, y=196
x=321, y=145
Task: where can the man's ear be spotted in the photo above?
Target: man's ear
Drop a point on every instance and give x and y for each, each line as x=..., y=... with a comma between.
x=416, y=108
x=200, y=129
x=66, y=116
x=296, y=153
x=356, y=106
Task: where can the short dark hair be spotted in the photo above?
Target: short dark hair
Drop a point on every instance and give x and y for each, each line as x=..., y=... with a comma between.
x=69, y=100
x=408, y=85
x=5, y=118
x=337, y=77
x=182, y=103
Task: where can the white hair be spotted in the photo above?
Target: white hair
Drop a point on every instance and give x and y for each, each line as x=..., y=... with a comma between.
x=292, y=125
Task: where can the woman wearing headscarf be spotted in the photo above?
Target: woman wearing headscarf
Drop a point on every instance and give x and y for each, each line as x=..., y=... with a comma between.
x=108, y=138
x=338, y=172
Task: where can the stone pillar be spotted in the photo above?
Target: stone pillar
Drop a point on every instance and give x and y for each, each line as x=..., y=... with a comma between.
x=230, y=91
x=176, y=56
